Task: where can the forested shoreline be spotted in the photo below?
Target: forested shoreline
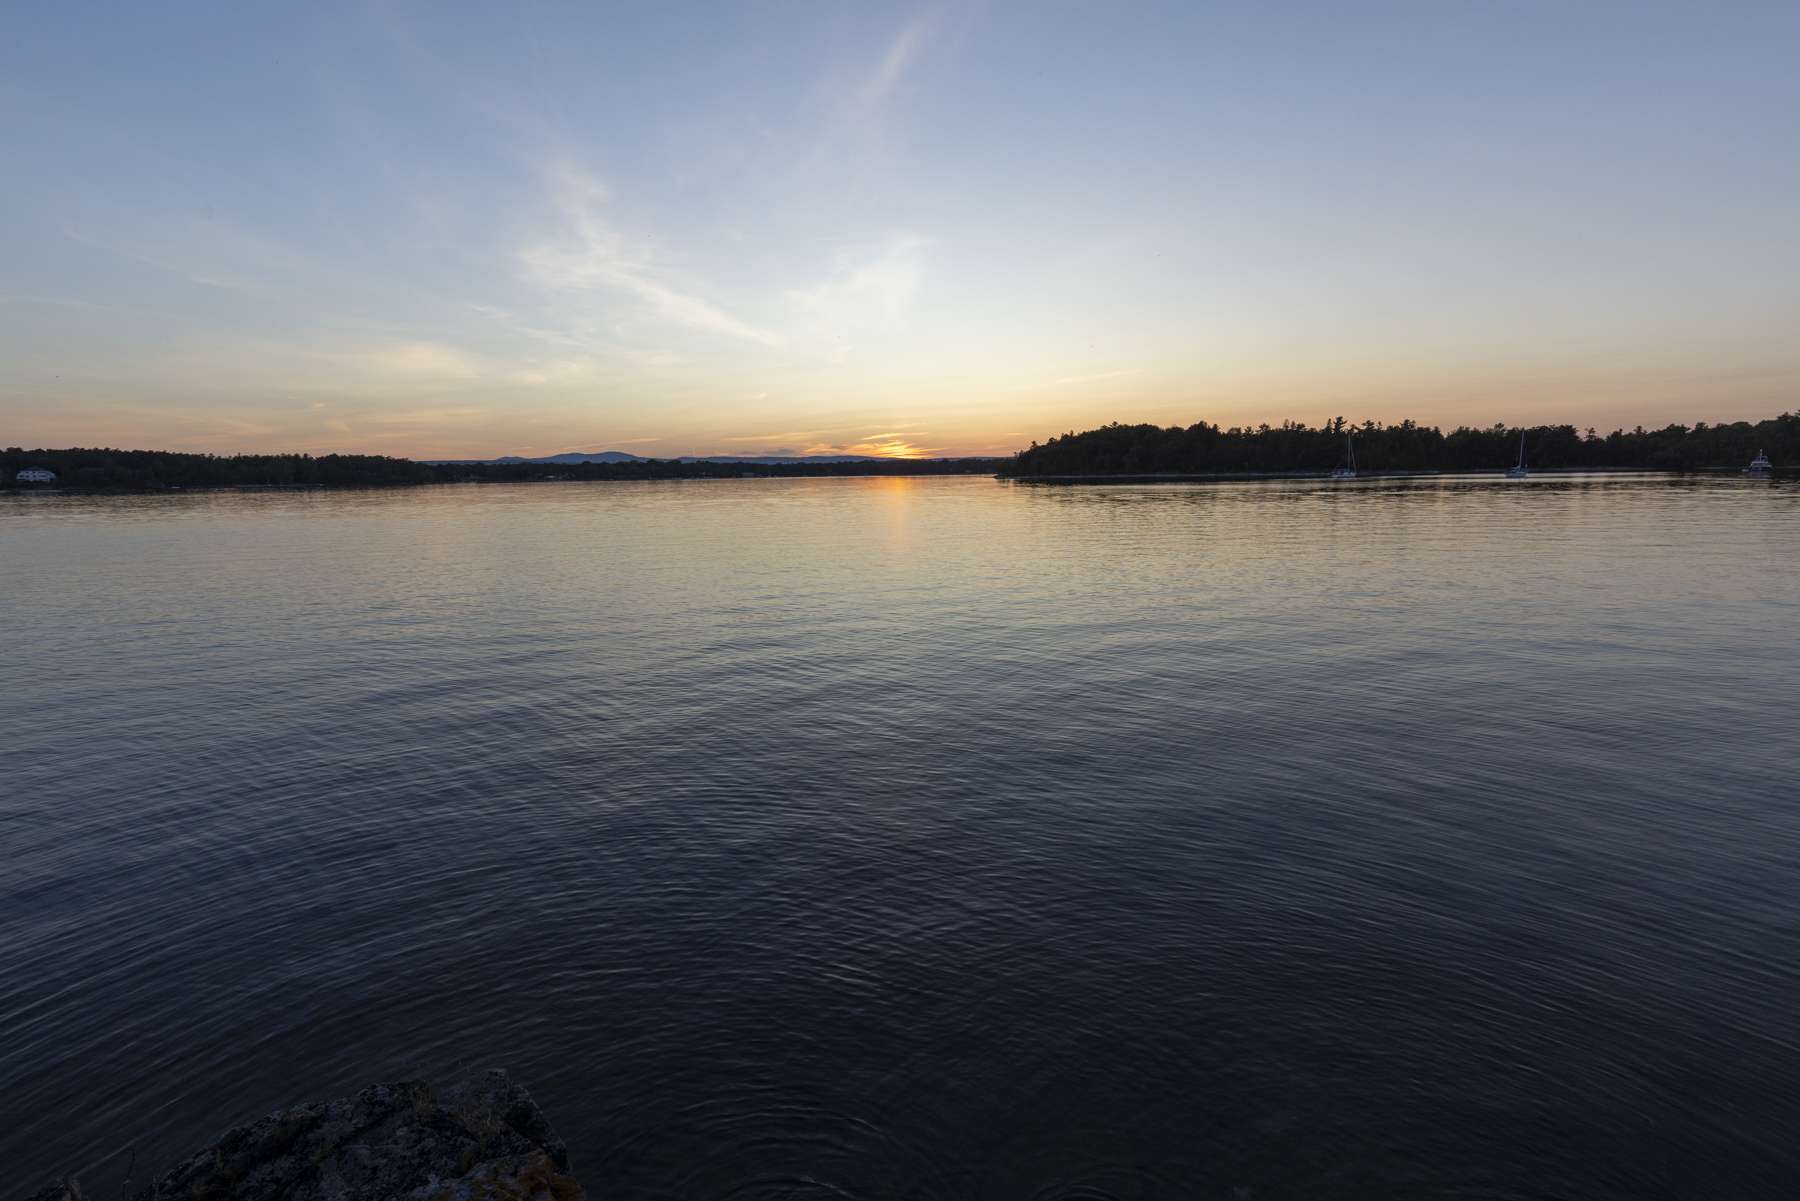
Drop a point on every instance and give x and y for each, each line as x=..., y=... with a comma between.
x=108, y=470
x=1203, y=448
x=1115, y=449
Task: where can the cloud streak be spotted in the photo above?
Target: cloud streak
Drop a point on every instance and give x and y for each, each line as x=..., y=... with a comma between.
x=901, y=53
x=591, y=255
x=895, y=444
x=1065, y=381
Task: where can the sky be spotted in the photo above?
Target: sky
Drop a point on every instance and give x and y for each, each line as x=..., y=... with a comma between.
x=463, y=230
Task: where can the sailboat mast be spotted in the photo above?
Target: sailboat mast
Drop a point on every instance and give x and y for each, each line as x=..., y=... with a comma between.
x=1521, y=450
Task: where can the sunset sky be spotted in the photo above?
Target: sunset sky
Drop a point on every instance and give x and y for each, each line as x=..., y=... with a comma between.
x=478, y=229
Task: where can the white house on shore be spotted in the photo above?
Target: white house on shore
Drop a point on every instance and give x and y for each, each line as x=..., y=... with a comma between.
x=35, y=475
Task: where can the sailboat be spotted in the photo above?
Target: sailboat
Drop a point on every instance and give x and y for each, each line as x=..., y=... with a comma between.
x=1347, y=472
x=1519, y=472
x=1760, y=465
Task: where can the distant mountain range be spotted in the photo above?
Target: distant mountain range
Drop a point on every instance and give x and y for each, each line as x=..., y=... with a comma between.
x=571, y=457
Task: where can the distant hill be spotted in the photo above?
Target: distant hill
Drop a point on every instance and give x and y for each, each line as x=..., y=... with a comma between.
x=574, y=456
x=772, y=459
x=569, y=458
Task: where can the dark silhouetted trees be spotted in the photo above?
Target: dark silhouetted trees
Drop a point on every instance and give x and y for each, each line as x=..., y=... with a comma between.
x=143, y=470
x=106, y=470
x=1203, y=448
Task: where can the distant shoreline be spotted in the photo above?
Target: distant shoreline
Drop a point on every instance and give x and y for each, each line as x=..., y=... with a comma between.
x=99, y=471
x=197, y=489
x=1114, y=453
x=1220, y=477
x=179, y=489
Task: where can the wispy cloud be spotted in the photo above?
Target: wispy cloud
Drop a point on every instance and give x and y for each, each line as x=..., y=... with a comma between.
x=888, y=281
x=514, y=324
x=897, y=444
x=863, y=291
x=898, y=59
x=213, y=254
x=791, y=435
x=591, y=255
x=1068, y=380
x=420, y=360
x=856, y=96
x=1098, y=375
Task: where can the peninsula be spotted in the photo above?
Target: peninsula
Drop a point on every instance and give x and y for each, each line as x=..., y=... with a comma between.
x=1295, y=448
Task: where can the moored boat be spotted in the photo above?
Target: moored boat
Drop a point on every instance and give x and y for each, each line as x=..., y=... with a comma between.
x=1519, y=472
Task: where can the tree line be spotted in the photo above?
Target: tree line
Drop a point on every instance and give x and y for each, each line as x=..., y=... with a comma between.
x=106, y=469
x=1408, y=446
x=677, y=469
x=109, y=470
x=1113, y=449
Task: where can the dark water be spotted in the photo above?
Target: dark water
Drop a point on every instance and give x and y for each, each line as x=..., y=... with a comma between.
x=923, y=838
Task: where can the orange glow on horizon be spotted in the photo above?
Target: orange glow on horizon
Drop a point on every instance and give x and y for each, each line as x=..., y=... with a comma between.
x=880, y=446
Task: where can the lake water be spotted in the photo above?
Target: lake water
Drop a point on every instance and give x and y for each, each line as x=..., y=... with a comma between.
x=936, y=838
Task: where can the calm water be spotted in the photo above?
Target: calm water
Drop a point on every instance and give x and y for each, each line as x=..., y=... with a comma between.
x=923, y=838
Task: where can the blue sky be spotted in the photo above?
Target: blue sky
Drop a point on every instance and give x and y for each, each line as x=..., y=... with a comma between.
x=448, y=229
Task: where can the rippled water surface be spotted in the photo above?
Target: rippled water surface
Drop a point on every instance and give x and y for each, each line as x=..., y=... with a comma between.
x=923, y=838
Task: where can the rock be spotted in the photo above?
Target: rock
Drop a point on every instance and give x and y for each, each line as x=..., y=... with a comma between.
x=482, y=1139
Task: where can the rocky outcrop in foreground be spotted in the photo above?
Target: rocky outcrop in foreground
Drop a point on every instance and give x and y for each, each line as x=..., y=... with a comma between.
x=482, y=1140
